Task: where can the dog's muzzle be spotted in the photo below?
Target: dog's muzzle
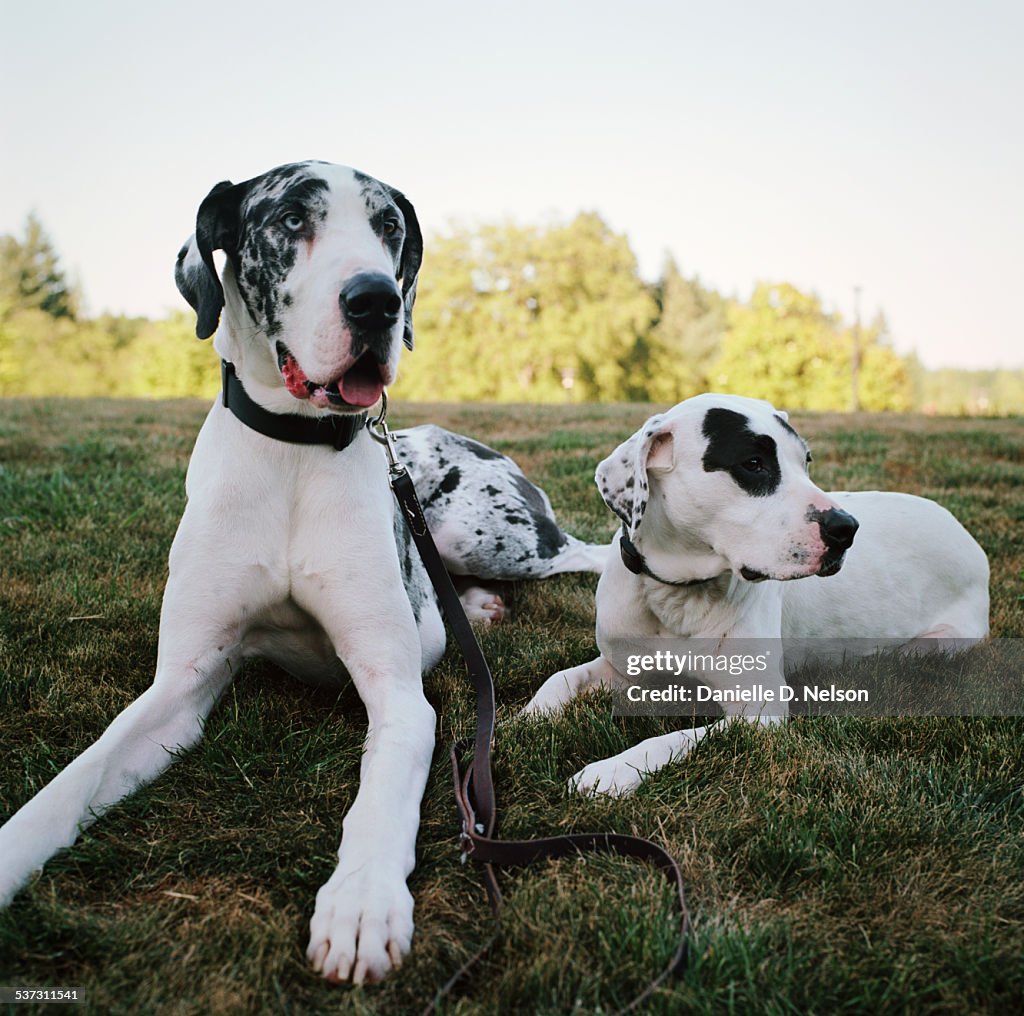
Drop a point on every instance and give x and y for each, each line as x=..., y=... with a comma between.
x=371, y=302
x=837, y=529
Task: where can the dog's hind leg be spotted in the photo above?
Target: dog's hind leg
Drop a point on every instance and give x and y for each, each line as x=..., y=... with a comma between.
x=488, y=520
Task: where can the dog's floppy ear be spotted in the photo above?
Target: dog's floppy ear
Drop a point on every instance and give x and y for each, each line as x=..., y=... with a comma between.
x=217, y=228
x=412, y=257
x=199, y=286
x=622, y=478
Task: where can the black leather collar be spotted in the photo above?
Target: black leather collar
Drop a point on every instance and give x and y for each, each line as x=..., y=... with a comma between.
x=634, y=562
x=337, y=431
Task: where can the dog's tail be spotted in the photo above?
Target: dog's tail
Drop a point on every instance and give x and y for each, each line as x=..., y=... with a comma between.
x=574, y=556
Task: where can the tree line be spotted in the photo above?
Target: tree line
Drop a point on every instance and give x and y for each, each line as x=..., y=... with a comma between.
x=516, y=313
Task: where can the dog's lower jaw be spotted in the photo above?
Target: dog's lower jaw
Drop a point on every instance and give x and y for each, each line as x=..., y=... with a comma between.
x=829, y=566
x=357, y=388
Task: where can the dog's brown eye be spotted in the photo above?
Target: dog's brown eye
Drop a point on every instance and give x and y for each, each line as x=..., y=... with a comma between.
x=390, y=227
x=754, y=465
x=292, y=222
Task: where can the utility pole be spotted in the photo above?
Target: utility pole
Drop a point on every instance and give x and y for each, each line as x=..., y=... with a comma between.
x=855, y=359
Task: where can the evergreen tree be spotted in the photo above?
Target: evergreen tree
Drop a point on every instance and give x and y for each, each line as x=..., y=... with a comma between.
x=31, y=277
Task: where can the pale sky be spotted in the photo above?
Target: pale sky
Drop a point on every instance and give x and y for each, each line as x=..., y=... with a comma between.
x=827, y=144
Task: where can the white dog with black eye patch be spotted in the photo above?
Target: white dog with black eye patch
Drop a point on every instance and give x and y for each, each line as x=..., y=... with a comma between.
x=717, y=507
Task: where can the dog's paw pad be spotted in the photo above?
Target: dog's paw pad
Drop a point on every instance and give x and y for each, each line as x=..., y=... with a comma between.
x=495, y=610
x=482, y=606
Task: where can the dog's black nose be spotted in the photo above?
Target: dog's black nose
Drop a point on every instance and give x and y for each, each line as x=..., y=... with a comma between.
x=838, y=529
x=371, y=301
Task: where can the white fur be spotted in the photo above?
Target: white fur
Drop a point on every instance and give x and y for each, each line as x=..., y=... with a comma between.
x=913, y=571
x=286, y=552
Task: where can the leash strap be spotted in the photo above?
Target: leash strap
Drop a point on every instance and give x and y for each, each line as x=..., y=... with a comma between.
x=474, y=785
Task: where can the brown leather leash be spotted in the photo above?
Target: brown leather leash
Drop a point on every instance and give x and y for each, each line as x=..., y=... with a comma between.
x=474, y=785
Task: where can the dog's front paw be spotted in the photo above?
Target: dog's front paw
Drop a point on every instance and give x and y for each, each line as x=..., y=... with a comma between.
x=551, y=697
x=623, y=773
x=361, y=928
x=609, y=776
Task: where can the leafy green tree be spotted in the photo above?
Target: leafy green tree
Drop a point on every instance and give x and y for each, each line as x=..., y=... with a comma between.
x=167, y=361
x=687, y=337
x=31, y=277
x=784, y=347
x=530, y=314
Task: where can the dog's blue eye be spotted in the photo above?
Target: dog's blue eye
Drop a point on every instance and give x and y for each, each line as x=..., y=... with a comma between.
x=292, y=222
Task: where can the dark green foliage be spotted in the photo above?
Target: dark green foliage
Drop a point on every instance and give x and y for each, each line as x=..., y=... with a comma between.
x=31, y=277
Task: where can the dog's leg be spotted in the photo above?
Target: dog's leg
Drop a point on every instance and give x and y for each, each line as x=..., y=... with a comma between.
x=362, y=925
x=575, y=556
x=559, y=689
x=136, y=747
x=623, y=773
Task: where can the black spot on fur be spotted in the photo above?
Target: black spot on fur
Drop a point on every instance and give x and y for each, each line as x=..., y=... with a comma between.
x=412, y=581
x=449, y=483
x=451, y=480
x=550, y=539
x=266, y=247
x=475, y=448
x=751, y=459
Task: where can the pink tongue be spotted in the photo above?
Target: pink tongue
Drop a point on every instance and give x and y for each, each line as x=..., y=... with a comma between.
x=360, y=388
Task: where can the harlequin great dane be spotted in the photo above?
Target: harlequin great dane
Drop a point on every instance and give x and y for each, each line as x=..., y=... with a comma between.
x=718, y=514
x=295, y=552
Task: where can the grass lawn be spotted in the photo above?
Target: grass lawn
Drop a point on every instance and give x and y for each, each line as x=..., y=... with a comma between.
x=831, y=865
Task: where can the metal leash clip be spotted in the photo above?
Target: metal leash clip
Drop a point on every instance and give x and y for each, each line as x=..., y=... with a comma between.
x=378, y=429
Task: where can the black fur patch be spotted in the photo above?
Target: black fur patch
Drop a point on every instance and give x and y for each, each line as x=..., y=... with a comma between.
x=751, y=459
x=266, y=247
x=550, y=538
x=475, y=448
